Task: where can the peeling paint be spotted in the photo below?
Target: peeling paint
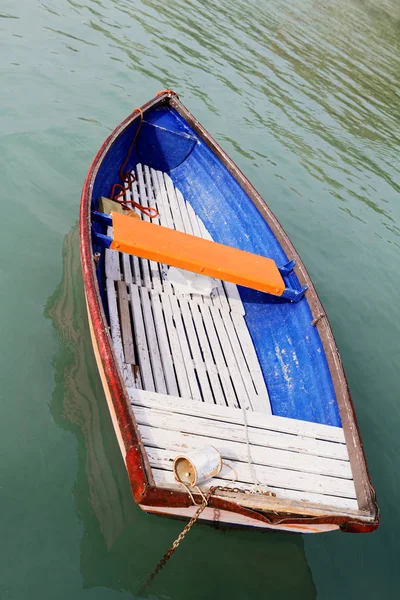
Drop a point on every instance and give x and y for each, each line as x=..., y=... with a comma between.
x=285, y=366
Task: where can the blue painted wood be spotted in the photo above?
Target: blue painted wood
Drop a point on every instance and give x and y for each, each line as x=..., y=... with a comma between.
x=101, y=218
x=100, y=240
x=294, y=295
x=288, y=347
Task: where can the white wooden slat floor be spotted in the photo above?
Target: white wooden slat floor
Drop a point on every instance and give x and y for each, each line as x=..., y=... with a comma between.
x=126, y=368
x=198, y=366
x=212, y=354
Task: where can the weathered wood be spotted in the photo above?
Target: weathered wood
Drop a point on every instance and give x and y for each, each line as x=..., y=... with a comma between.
x=266, y=439
x=136, y=272
x=185, y=216
x=151, y=198
x=172, y=201
x=166, y=431
x=309, y=500
x=125, y=323
x=142, y=191
x=234, y=299
x=195, y=349
x=126, y=266
x=157, y=268
x=231, y=415
x=220, y=298
x=176, y=351
x=212, y=370
x=134, y=260
x=116, y=334
x=141, y=339
x=140, y=264
x=270, y=476
x=195, y=226
x=181, y=222
x=164, y=218
x=223, y=371
x=251, y=359
x=242, y=392
x=135, y=197
x=227, y=289
x=188, y=365
x=164, y=345
x=152, y=342
x=154, y=267
x=247, y=362
x=112, y=261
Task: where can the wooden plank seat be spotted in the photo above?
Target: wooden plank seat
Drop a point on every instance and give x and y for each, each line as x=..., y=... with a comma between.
x=296, y=462
x=196, y=254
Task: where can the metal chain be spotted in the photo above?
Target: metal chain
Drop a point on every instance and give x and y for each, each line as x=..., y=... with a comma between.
x=190, y=524
x=180, y=537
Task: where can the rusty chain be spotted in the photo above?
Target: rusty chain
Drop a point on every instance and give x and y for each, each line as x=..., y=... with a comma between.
x=189, y=526
x=180, y=537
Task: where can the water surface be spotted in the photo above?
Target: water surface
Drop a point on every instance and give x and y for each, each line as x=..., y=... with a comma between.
x=304, y=96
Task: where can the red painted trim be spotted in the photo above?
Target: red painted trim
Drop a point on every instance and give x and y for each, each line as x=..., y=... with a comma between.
x=97, y=316
x=142, y=491
x=160, y=498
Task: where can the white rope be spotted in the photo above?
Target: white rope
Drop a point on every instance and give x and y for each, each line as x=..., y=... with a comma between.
x=191, y=495
x=235, y=475
x=258, y=487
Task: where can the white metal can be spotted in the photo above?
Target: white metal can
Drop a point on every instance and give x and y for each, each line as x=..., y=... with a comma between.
x=197, y=466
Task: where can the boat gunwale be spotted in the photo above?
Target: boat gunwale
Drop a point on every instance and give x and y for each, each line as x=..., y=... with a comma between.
x=139, y=471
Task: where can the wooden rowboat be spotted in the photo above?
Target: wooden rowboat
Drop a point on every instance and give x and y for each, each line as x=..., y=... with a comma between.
x=251, y=369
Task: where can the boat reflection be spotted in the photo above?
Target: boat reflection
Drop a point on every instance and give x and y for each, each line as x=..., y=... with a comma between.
x=121, y=544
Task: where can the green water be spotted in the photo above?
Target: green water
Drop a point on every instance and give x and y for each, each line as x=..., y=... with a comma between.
x=304, y=96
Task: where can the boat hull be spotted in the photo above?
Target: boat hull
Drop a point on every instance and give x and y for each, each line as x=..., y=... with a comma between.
x=176, y=503
x=229, y=519
x=210, y=515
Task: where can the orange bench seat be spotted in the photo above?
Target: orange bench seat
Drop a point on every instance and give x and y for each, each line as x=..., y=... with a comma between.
x=177, y=249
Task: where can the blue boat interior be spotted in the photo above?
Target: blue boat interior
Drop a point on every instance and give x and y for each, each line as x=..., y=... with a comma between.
x=288, y=346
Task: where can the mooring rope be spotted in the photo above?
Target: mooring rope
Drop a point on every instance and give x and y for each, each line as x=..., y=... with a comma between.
x=128, y=178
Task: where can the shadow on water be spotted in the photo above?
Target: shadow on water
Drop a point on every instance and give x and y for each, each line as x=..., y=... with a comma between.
x=76, y=406
x=120, y=544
